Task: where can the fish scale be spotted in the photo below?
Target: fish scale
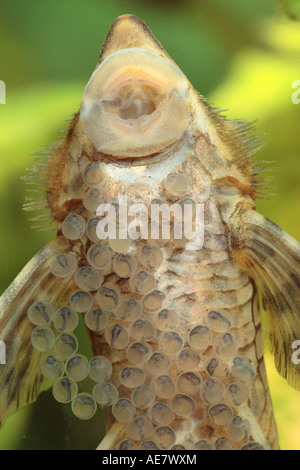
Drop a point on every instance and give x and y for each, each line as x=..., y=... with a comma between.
x=175, y=327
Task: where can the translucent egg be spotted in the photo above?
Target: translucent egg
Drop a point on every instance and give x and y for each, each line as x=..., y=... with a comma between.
x=171, y=343
x=163, y=386
x=142, y=330
x=63, y=265
x=91, y=229
x=212, y=391
x=123, y=410
x=176, y=184
x=188, y=359
x=166, y=320
x=84, y=406
x=94, y=174
x=200, y=337
x=81, y=301
x=142, y=282
x=243, y=368
x=143, y=397
x=224, y=444
x=188, y=383
x=153, y=301
x=225, y=345
x=77, y=367
x=183, y=405
x=132, y=377
x=65, y=320
x=219, y=321
x=40, y=313
x=96, y=319
x=105, y=393
x=100, y=369
x=42, y=338
x=65, y=345
x=161, y=414
x=151, y=256
x=158, y=363
x=64, y=390
x=139, y=428
x=148, y=445
x=51, y=367
x=117, y=336
x=239, y=429
x=124, y=265
x=73, y=227
x=119, y=241
x=99, y=256
x=88, y=278
x=126, y=445
x=178, y=447
x=220, y=414
x=138, y=353
x=165, y=437
x=93, y=199
x=129, y=310
x=236, y=394
x=216, y=368
x=203, y=445
x=108, y=297
x=252, y=446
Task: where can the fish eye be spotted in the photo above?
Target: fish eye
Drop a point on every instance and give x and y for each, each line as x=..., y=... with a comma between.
x=135, y=104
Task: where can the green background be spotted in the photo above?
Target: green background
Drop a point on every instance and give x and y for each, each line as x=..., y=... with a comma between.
x=241, y=55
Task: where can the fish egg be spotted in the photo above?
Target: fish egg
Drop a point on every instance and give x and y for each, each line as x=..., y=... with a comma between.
x=219, y=321
x=42, y=338
x=171, y=343
x=129, y=310
x=126, y=445
x=91, y=229
x=99, y=256
x=119, y=240
x=64, y=390
x=88, y=278
x=236, y=394
x=183, y=405
x=148, y=445
x=239, y=429
x=166, y=320
x=188, y=383
x=132, y=377
x=165, y=437
x=40, y=313
x=124, y=265
x=84, y=406
x=153, y=301
x=216, y=368
x=108, y=297
x=163, y=386
x=65, y=345
x=158, y=363
x=203, y=445
x=142, y=330
x=117, y=336
x=200, y=337
x=123, y=410
x=105, y=393
x=142, y=282
x=143, y=397
x=151, y=256
x=188, y=359
x=77, y=367
x=73, y=227
x=212, y=391
x=93, y=198
x=225, y=345
x=100, y=369
x=63, y=265
x=224, y=444
x=220, y=414
x=51, y=367
x=138, y=353
x=243, y=368
x=94, y=175
x=139, y=428
x=95, y=319
x=65, y=320
x=81, y=301
x=176, y=184
x=161, y=414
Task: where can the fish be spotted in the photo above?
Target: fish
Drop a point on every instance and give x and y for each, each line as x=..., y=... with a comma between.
x=160, y=248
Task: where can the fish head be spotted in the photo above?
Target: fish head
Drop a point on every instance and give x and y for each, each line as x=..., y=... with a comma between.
x=137, y=102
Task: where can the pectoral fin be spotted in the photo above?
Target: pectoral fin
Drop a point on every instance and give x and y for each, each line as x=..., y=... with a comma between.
x=272, y=259
x=20, y=378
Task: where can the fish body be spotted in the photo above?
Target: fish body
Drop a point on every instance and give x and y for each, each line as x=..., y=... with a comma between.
x=175, y=326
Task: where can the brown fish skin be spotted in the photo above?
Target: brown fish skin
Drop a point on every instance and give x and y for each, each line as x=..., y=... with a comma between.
x=144, y=123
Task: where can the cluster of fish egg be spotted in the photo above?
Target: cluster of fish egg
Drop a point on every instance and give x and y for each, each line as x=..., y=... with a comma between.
x=169, y=373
